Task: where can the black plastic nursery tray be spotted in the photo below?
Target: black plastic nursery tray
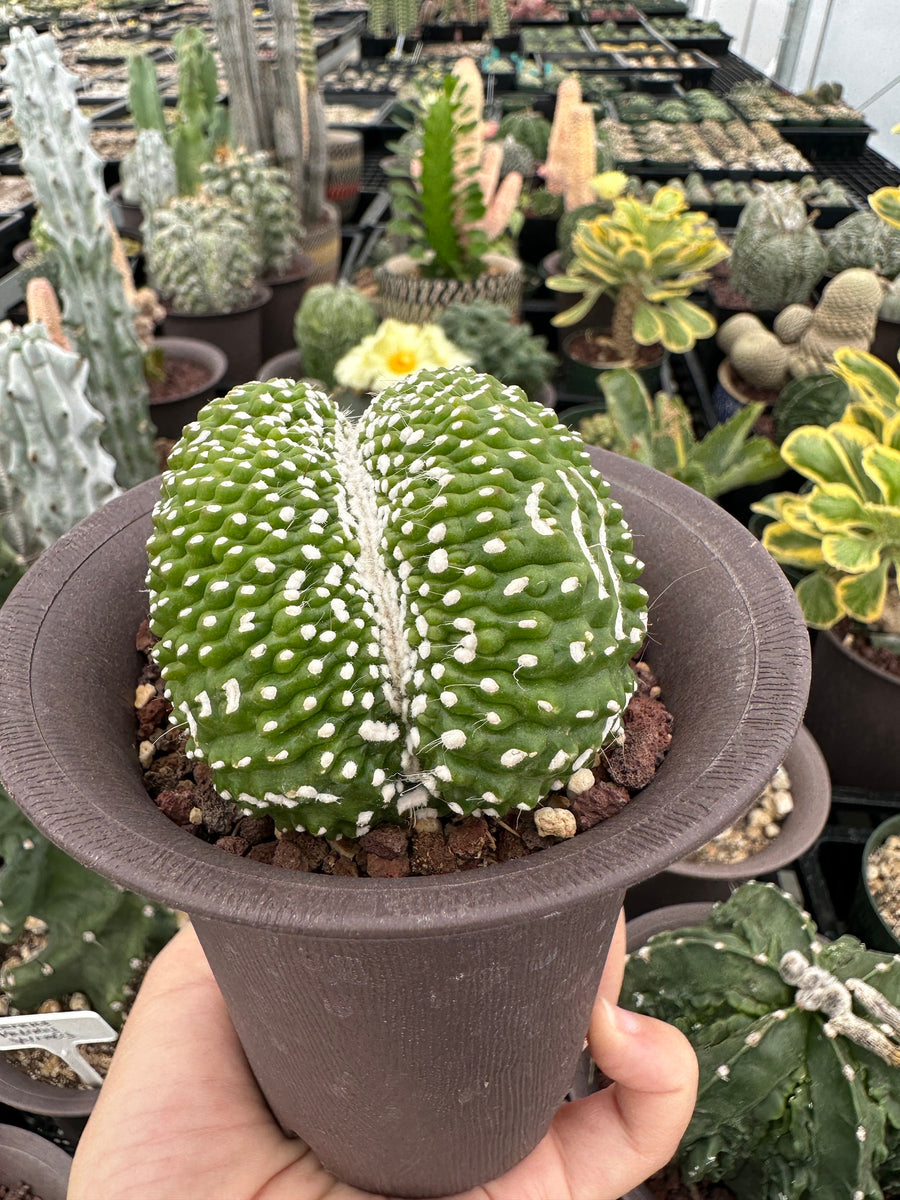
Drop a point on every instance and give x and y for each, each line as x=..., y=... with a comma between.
x=826, y=142
x=700, y=74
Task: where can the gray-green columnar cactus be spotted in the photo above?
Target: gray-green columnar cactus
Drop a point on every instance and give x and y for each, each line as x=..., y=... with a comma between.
x=201, y=259
x=434, y=606
x=95, y=936
x=67, y=177
x=332, y=319
x=260, y=194
x=147, y=175
x=799, y=1050
x=49, y=440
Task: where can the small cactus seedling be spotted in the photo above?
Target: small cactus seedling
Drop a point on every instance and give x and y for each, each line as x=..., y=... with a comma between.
x=94, y=936
x=434, y=607
x=798, y=1044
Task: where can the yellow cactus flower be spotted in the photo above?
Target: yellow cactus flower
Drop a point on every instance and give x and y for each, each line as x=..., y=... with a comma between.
x=608, y=185
x=395, y=350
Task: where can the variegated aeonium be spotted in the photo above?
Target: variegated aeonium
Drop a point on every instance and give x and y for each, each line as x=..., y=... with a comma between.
x=432, y=607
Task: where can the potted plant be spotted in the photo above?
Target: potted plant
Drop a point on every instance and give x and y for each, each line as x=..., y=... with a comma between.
x=875, y=915
x=332, y=319
x=30, y=1159
x=510, y=352
x=452, y=212
x=392, y=352
x=521, y=944
x=797, y=1043
x=844, y=534
x=648, y=257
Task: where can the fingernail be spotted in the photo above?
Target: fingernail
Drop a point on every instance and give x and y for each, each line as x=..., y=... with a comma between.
x=623, y=1021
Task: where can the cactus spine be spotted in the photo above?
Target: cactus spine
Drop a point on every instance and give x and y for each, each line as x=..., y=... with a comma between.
x=200, y=259
x=383, y=639
x=67, y=178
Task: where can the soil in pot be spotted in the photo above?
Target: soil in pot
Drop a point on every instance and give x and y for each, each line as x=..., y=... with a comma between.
x=856, y=638
x=183, y=790
x=21, y=1191
x=883, y=878
x=594, y=350
x=756, y=830
x=180, y=377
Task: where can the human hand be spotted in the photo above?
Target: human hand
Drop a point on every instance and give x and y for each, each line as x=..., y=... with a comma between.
x=180, y=1116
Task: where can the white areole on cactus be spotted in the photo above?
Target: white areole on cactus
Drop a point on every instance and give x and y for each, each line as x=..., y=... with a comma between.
x=432, y=606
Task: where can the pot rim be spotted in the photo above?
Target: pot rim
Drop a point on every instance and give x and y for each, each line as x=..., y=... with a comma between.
x=22, y=1151
x=862, y=663
x=261, y=297
x=601, y=336
x=142, y=850
x=405, y=264
x=876, y=839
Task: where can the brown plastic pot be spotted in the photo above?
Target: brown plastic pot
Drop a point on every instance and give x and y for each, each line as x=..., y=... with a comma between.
x=20, y=1091
x=686, y=882
x=28, y=1158
x=854, y=715
x=278, y=315
x=172, y=414
x=392, y=1022
x=237, y=334
x=128, y=218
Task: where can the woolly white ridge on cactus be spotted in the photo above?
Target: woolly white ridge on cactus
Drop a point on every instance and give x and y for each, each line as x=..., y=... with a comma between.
x=435, y=606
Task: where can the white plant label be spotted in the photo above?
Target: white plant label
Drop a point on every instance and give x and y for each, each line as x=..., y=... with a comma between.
x=61, y=1034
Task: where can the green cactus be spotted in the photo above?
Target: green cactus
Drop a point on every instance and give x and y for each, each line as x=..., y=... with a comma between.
x=144, y=100
x=332, y=319
x=260, y=194
x=200, y=258
x=761, y=359
x=498, y=12
x=67, y=177
x=846, y=315
x=776, y=256
x=659, y=432
x=97, y=936
x=792, y=322
x=809, y=400
x=49, y=439
x=435, y=606
x=516, y=157
x=509, y=352
x=864, y=240
x=798, y=1044
x=147, y=175
x=529, y=129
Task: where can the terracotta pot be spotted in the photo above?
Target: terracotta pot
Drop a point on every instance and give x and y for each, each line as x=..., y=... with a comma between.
x=237, y=334
x=354, y=998
x=282, y=366
x=322, y=243
x=407, y=296
x=854, y=715
x=278, y=315
x=343, y=178
x=171, y=415
x=27, y=1158
x=685, y=882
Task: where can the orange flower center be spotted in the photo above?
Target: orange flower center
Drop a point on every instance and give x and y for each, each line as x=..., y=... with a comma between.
x=402, y=362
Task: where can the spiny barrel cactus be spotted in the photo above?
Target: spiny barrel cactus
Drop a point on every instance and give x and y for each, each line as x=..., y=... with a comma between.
x=259, y=192
x=433, y=607
x=200, y=258
x=777, y=256
x=95, y=936
x=331, y=320
x=798, y=1044
x=147, y=175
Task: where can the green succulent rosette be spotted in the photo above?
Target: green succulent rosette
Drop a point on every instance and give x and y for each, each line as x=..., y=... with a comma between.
x=432, y=606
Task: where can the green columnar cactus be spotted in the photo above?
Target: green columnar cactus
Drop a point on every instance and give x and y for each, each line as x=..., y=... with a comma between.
x=798, y=1044
x=97, y=936
x=509, y=352
x=498, y=13
x=660, y=432
x=49, y=436
x=200, y=259
x=776, y=256
x=433, y=607
x=201, y=127
x=332, y=319
x=144, y=101
x=864, y=240
x=260, y=194
x=67, y=177
x=148, y=178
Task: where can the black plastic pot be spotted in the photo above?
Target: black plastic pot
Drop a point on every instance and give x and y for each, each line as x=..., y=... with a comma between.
x=866, y=920
x=282, y=366
x=278, y=315
x=326, y=977
x=171, y=415
x=237, y=334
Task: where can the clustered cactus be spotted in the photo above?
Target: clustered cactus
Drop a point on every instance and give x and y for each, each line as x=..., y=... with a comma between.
x=87, y=934
x=798, y=1044
x=67, y=177
x=331, y=320
x=201, y=259
x=433, y=607
x=509, y=352
x=777, y=256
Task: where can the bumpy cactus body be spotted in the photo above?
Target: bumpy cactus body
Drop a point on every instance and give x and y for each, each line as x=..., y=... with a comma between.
x=49, y=437
x=147, y=175
x=67, y=177
x=777, y=256
x=864, y=240
x=200, y=258
x=260, y=193
x=435, y=606
x=331, y=320
x=798, y=1044
x=516, y=157
x=95, y=936
x=846, y=315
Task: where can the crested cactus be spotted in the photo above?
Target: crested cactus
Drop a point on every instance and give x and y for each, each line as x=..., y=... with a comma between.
x=863, y=240
x=147, y=175
x=846, y=315
x=498, y=347
x=433, y=607
x=200, y=259
x=260, y=194
x=67, y=177
x=331, y=320
x=798, y=1044
x=777, y=256
x=86, y=934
